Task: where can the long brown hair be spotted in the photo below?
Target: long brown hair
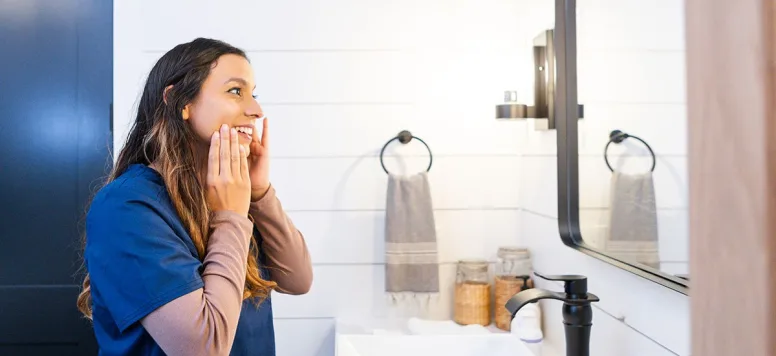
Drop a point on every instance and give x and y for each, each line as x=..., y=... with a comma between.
x=160, y=135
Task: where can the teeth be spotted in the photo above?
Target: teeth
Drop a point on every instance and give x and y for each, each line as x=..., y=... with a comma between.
x=246, y=130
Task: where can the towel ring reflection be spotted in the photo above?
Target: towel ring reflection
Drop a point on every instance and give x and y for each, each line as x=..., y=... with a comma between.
x=618, y=136
x=405, y=137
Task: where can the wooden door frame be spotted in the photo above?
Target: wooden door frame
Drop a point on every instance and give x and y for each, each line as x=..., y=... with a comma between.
x=731, y=104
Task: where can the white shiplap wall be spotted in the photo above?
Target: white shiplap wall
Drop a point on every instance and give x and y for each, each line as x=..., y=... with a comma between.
x=339, y=78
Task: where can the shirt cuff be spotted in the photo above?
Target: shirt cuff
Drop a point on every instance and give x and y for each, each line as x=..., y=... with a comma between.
x=269, y=200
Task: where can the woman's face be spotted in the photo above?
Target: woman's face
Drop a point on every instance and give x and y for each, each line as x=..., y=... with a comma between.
x=226, y=97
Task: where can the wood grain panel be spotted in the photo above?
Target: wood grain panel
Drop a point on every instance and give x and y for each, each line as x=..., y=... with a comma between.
x=732, y=174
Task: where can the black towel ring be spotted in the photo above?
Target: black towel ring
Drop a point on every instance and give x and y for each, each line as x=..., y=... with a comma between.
x=405, y=137
x=618, y=136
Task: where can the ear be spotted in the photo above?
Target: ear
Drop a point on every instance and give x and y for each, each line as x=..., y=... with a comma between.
x=186, y=112
x=164, y=95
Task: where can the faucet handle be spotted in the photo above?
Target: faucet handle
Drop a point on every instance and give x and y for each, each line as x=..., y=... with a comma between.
x=574, y=284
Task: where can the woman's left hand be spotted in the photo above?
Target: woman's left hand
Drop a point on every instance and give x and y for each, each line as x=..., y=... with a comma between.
x=258, y=162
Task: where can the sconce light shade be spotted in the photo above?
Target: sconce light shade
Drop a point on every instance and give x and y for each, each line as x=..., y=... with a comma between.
x=512, y=111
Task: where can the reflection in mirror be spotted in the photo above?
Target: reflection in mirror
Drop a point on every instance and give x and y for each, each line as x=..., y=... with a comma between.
x=632, y=143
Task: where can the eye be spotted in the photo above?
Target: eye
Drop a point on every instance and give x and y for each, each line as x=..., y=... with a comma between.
x=236, y=91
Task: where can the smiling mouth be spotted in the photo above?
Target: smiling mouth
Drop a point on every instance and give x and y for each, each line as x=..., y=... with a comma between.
x=245, y=132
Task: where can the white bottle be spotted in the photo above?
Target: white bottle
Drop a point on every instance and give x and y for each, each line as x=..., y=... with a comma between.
x=527, y=326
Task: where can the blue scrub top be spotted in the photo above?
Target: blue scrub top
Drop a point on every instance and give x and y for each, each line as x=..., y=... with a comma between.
x=140, y=257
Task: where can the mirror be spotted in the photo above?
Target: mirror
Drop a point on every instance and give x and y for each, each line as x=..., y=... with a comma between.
x=623, y=187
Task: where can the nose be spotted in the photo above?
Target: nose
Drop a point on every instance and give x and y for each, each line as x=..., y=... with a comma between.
x=254, y=109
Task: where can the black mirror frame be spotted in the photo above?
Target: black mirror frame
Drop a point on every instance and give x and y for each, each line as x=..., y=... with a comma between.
x=568, y=155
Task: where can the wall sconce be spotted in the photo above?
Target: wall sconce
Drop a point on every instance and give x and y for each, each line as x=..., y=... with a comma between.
x=543, y=109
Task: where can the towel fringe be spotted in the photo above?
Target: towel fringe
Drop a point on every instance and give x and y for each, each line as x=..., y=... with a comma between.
x=412, y=303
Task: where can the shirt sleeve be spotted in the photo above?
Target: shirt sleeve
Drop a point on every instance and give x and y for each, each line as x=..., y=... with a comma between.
x=135, y=259
x=204, y=322
x=284, y=245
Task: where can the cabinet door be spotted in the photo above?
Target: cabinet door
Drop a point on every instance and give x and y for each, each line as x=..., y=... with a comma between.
x=55, y=138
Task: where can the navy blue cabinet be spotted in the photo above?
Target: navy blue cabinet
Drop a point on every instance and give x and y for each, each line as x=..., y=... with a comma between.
x=56, y=81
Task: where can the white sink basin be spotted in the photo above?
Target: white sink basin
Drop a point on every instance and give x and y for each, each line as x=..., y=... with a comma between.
x=416, y=345
x=390, y=338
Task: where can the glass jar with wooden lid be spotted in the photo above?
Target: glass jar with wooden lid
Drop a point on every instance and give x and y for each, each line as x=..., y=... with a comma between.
x=513, y=272
x=472, y=293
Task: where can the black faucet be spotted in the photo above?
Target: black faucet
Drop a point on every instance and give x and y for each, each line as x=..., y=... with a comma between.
x=577, y=312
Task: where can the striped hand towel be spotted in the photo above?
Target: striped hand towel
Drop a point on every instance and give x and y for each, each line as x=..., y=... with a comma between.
x=410, y=237
x=633, y=228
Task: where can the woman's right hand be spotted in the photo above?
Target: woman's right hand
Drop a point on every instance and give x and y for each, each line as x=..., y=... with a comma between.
x=228, y=182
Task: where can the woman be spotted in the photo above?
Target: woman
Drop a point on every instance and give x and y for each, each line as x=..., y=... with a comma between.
x=187, y=239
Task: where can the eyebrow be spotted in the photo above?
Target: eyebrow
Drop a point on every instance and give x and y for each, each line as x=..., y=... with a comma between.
x=238, y=80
